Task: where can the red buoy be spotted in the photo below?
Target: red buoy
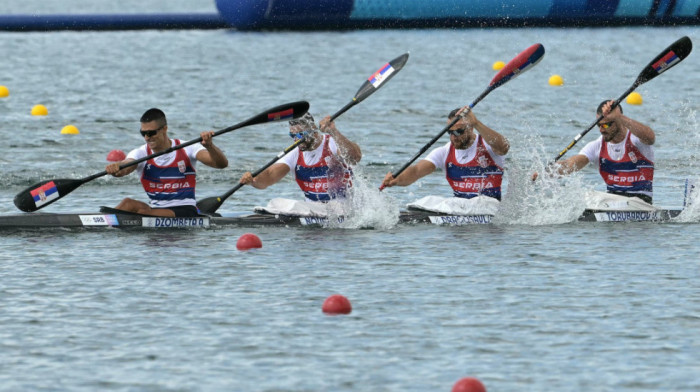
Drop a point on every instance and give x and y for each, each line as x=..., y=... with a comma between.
x=336, y=304
x=248, y=241
x=469, y=384
x=116, y=156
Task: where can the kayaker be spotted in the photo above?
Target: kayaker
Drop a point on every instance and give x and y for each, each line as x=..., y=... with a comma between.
x=320, y=164
x=626, y=159
x=170, y=179
x=473, y=163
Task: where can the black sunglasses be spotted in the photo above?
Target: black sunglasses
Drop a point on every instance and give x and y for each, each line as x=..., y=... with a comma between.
x=457, y=132
x=150, y=133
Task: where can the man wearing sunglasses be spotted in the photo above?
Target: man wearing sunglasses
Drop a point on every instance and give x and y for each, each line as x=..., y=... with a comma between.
x=169, y=180
x=623, y=154
x=320, y=163
x=473, y=163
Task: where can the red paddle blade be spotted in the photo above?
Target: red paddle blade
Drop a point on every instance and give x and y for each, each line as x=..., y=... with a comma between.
x=521, y=63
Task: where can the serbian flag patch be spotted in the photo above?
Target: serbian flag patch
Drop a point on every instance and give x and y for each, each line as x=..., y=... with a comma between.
x=45, y=193
x=380, y=76
x=283, y=115
x=666, y=62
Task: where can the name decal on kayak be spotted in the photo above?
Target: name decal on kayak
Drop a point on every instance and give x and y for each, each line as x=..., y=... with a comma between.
x=176, y=222
x=318, y=221
x=627, y=216
x=460, y=220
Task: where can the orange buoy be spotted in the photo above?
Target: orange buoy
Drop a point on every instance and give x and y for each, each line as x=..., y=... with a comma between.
x=336, y=304
x=248, y=241
x=469, y=384
x=116, y=156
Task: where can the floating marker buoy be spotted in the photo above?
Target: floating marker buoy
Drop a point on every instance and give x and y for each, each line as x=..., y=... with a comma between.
x=336, y=304
x=248, y=241
x=634, y=98
x=4, y=92
x=556, y=80
x=39, y=110
x=498, y=65
x=469, y=384
x=70, y=130
x=116, y=156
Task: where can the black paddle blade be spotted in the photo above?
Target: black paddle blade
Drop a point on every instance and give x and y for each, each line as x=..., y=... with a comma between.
x=667, y=59
x=287, y=111
x=209, y=205
x=527, y=59
x=44, y=193
x=377, y=80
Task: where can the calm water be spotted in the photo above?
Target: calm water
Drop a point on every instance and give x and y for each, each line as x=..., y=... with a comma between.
x=535, y=302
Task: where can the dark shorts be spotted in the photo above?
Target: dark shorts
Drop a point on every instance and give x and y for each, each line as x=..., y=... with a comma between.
x=183, y=211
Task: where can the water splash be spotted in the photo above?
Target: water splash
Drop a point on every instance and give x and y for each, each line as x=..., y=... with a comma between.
x=691, y=202
x=686, y=124
x=547, y=200
x=366, y=206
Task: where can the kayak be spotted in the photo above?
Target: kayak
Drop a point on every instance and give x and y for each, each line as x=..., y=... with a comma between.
x=110, y=218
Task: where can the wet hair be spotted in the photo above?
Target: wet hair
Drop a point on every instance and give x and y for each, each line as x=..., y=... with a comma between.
x=599, y=111
x=453, y=113
x=154, y=114
x=306, y=121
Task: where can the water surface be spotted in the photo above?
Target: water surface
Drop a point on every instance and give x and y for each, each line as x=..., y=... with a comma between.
x=536, y=301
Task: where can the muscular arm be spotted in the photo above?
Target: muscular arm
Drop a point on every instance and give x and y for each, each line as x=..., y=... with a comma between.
x=410, y=175
x=348, y=149
x=212, y=156
x=571, y=164
x=499, y=144
x=113, y=168
x=270, y=176
x=643, y=132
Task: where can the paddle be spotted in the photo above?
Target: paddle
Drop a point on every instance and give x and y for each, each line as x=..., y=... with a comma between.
x=46, y=192
x=372, y=84
x=671, y=56
x=519, y=64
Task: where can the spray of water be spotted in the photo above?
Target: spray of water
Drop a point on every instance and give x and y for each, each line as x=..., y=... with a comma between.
x=366, y=206
x=685, y=129
x=548, y=200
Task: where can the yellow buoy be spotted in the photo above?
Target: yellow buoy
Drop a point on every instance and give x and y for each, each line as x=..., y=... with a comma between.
x=4, y=92
x=634, y=98
x=556, y=80
x=39, y=110
x=70, y=130
x=498, y=65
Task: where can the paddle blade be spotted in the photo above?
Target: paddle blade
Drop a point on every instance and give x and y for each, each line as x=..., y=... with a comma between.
x=377, y=80
x=521, y=63
x=209, y=205
x=667, y=59
x=44, y=193
x=283, y=112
